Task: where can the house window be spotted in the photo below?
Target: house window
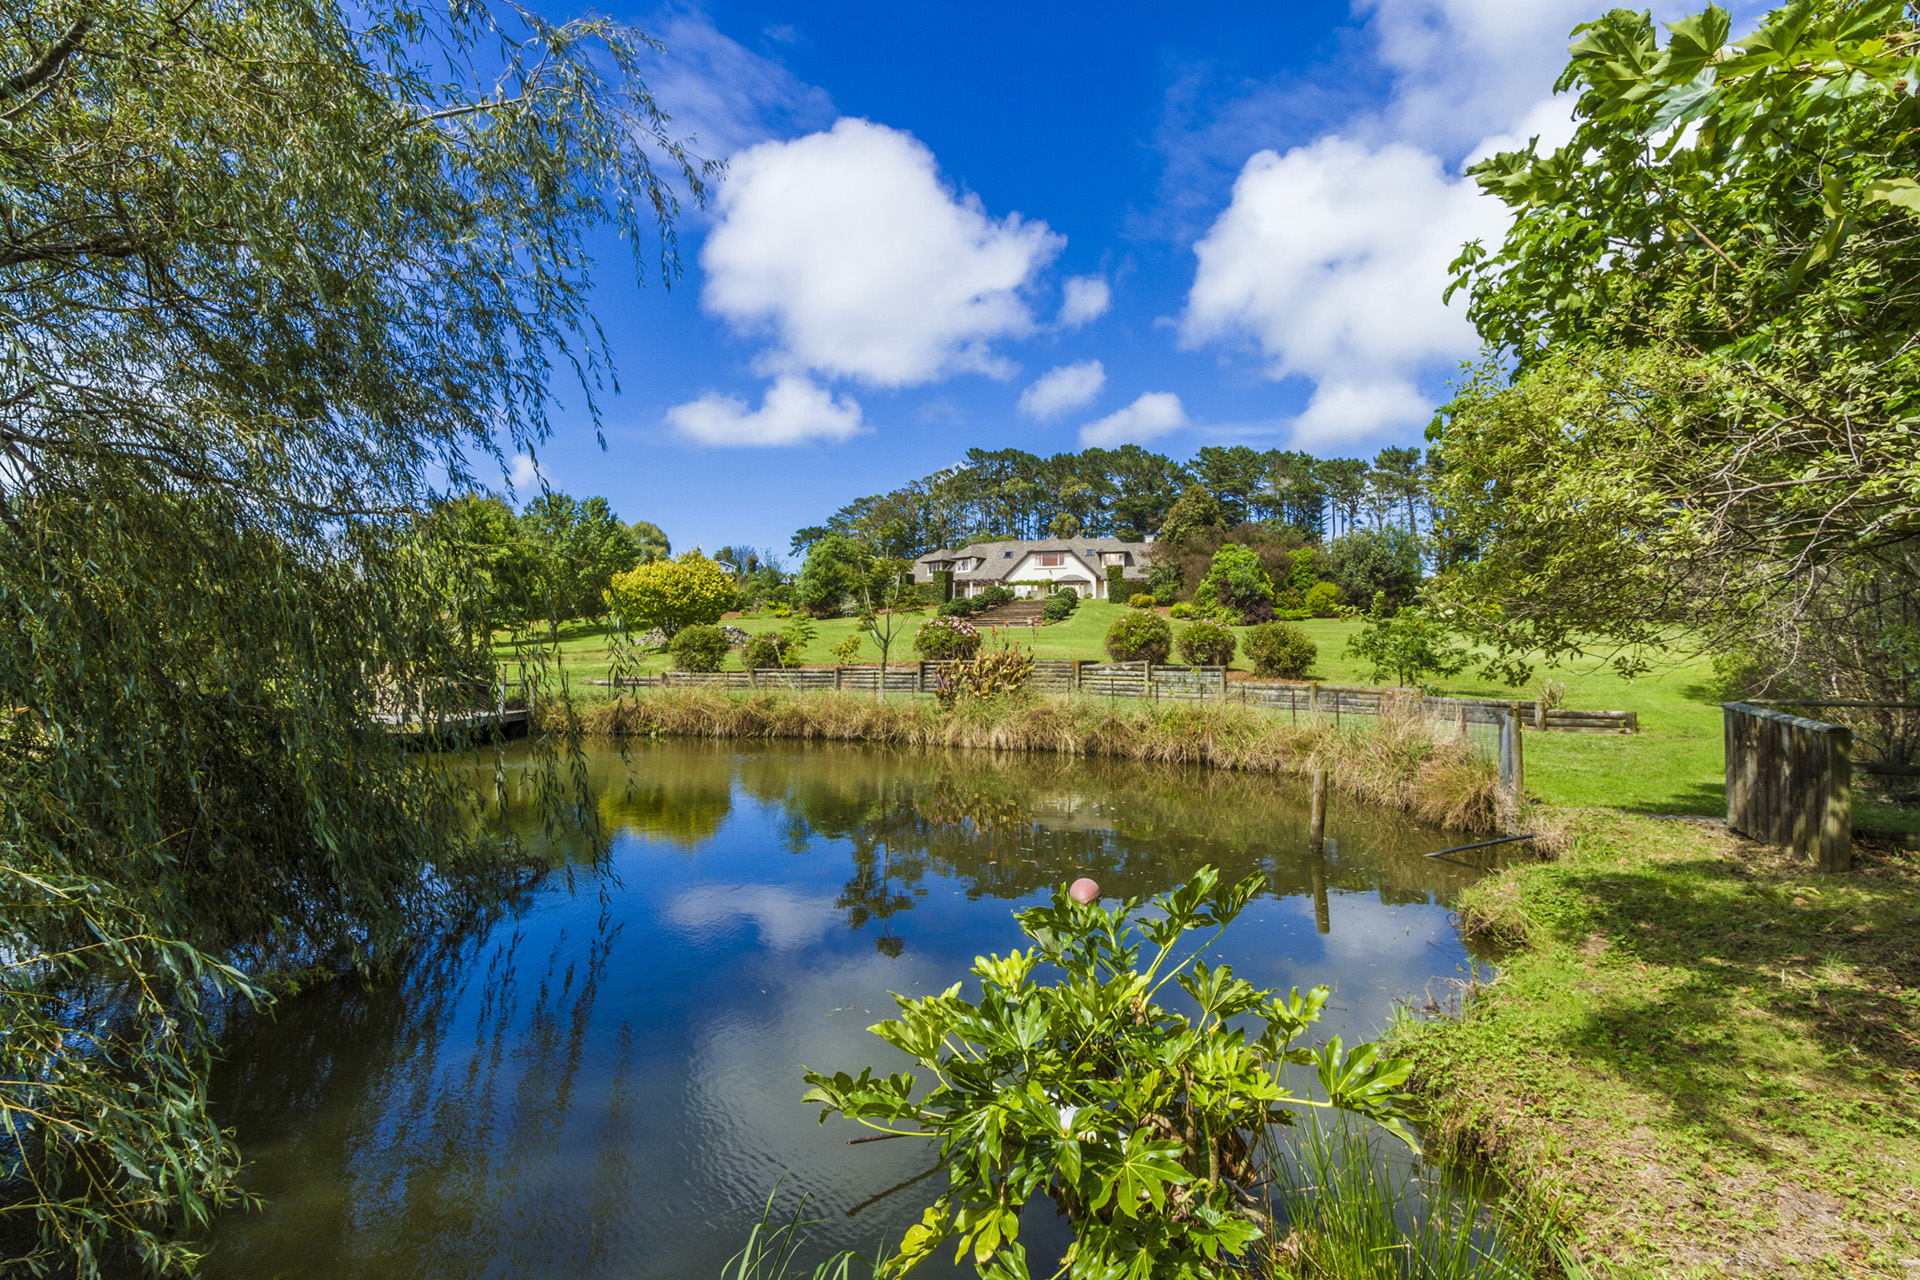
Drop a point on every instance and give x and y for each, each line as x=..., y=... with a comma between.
x=1051, y=562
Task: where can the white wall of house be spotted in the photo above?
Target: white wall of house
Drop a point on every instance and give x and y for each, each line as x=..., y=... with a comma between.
x=1034, y=566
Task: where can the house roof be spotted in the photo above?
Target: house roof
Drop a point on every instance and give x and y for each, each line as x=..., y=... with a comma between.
x=998, y=559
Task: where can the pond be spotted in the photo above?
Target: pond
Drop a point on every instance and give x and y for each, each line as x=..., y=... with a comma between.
x=605, y=1081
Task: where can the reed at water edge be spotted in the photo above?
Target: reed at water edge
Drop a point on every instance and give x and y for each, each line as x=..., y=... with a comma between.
x=1398, y=759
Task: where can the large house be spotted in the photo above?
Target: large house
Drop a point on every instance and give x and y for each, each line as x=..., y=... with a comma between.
x=1039, y=568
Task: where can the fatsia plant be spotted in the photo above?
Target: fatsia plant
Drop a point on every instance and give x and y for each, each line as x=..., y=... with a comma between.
x=1142, y=1123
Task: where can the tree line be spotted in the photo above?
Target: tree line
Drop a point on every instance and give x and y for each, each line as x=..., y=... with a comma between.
x=1129, y=492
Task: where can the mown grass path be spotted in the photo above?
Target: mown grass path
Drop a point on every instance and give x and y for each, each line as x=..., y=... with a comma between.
x=1701, y=1054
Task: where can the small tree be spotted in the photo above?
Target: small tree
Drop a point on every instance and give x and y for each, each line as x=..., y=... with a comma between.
x=700, y=647
x=836, y=568
x=1406, y=644
x=671, y=594
x=887, y=598
x=1236, y=581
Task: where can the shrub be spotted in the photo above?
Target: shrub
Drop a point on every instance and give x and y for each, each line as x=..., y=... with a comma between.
x=1141, y=602
x=1069, y=1077
x=762, y=652
x=847, y=651
x=671, y=594
x=1280, y=649
x=959, y=607
x=1060, y=606
x=1207, y=644
x=1323, y=600
x=1000, y=670
x=945, y=638
x=1181, y=610
x=699, y=648
x=1255, y=614
x=993, y=597
x=1139, y=637
x=1116, y=580
x=1236, y=579
x=1164, y=581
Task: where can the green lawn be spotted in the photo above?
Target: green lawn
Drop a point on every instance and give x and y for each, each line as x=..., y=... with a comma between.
x=1674, y=764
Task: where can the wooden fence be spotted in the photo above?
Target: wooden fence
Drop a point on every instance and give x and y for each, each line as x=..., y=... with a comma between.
x=1157, y=681
x=1790, y=783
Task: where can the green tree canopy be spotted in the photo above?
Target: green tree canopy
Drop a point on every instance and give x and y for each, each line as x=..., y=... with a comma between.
x=268, y=272
x=836, y=569
x=671, y=594
x=1710, y=292
x=577, y=548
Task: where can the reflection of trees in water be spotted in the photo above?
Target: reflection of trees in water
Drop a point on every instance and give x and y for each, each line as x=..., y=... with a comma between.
x=1008, y=825
x=434, y=1180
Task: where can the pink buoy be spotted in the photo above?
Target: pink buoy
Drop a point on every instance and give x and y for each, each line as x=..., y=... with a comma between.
x=1083, y=890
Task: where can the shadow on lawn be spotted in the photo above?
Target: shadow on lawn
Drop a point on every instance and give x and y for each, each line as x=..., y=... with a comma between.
x=1836, y=961
x=1701, y=799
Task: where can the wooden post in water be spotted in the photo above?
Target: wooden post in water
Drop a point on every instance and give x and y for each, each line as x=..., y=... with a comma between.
x=1322, y=916
x=1317, y=824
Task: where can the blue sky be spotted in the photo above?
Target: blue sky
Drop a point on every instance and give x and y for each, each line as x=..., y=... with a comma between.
x=1043, y=226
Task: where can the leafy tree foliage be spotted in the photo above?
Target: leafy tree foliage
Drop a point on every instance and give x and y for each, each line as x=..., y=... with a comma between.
x=1406, y=643
x=1144, y=1125
x=266, y=271
x=1369, y=562
x=835, y=571
x=671, y=594
x=1126, y=493
x=650, y=541
x=576, y=550
x=1236, y=581
x=1711, y=292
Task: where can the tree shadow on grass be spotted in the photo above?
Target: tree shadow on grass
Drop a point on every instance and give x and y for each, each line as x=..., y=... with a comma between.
x=1783, y=996
x=1699, y=799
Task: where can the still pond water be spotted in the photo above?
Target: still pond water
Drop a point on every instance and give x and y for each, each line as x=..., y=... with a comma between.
x=605, y=1082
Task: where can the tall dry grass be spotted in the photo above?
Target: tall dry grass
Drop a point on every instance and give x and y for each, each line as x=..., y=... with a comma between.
x=1401, y=759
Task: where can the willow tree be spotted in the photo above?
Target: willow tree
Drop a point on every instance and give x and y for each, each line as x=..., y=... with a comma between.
x=269, y=271
x=1699, y=419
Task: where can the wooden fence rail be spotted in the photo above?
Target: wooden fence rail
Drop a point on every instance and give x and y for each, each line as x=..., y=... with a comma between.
x=1790, y=783
x=1156, y=681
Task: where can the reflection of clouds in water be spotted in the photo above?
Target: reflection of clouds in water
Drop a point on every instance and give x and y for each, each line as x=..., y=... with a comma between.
x=785, y=920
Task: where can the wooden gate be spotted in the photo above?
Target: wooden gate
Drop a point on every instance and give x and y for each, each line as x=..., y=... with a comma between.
x=1790, y=783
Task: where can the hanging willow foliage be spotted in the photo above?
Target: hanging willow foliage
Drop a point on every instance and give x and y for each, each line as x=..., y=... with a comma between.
x=269, y=269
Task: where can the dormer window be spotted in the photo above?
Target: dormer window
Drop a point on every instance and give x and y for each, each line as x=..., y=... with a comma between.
x=1052, y=561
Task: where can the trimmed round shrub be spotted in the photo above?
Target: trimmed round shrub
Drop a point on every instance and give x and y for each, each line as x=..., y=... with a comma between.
x=1181, y=610
x=993, y=597
x=1139, y=637
x=1060, y=606
x=1323, y=600
x=1206, y=644
x=1280, y=649
x=945, y=638
x=1141, y=602
x=699, y=648
x=959, y=607
x=762, y=652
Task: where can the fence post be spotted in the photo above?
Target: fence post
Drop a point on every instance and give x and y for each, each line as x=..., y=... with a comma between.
x=1513, y=770
x=1836, y=816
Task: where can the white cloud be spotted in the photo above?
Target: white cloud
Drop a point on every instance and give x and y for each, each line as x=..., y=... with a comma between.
x=784, y=919
x=724, y=95
x=522, y=472
x=793, y=411
x=1331, y=261
x=1152, y=415
x=1071, y=386
x=1085, y=298
x=848, y=250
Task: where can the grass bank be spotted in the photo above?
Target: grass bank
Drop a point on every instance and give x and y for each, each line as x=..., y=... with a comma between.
x=1703, y=1053
x=1405, y=763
